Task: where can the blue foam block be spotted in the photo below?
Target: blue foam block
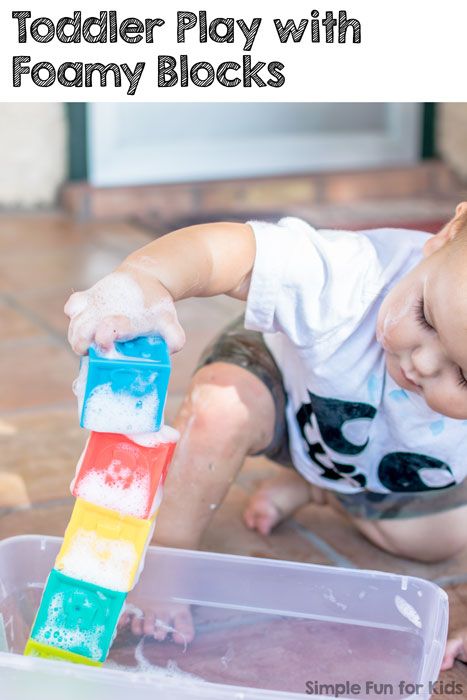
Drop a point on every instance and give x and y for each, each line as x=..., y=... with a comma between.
x=139, y=376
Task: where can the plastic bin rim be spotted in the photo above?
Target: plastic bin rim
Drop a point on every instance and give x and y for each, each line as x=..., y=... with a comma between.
x=197, y=689
x=259, y=562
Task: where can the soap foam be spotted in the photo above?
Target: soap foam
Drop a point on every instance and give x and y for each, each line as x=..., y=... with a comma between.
x=163, y=436
x=53, y=634
x=79, y=384
x=104, y=562
x=119, y=295
x=143, y=666
x=110, y=412
x=94, y=487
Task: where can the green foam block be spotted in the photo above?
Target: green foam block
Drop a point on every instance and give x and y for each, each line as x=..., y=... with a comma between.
x=77, y=617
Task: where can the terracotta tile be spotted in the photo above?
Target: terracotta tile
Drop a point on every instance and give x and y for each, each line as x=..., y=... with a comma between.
x=14, y=325
x=120, y=236
x=202, y=320
x=368, y=184
x=124, y=202
x=164, y=202
x=255, y=470
x=46, y=308
x=35, y=373
x=455, y=678
x=174, y=401
x=345, y=539
x=41, y=521
x=42, y=448
x=73, y=267
x=457, y=607
x=227, y=533
x=13, y=491
x=37, y=233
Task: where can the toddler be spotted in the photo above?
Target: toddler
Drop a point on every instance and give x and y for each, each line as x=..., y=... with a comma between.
x=349, y=367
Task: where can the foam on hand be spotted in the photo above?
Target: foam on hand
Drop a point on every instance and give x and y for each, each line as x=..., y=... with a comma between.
x=79, y=384
x=118, y=295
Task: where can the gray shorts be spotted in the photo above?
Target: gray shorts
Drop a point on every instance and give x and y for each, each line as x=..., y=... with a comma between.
x=247, y=349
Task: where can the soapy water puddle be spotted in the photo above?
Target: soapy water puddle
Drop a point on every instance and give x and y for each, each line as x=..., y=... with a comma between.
x=251, y=649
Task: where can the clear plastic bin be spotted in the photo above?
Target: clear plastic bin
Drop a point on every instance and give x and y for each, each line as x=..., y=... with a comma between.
x=264, y=629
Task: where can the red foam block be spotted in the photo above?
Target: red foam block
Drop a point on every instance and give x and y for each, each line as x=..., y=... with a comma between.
x=117, y=473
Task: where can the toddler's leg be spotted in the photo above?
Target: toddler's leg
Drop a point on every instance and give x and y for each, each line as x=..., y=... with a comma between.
x=277, y=498
x=428, y=538
x=227, y=414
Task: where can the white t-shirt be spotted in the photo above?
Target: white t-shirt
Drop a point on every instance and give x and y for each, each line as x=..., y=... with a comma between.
x=315, y=296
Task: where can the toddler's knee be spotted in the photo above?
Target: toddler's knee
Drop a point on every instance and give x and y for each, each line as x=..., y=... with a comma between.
x=216, y=402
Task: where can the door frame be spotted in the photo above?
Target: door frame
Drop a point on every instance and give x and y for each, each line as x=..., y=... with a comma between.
x=96, y=156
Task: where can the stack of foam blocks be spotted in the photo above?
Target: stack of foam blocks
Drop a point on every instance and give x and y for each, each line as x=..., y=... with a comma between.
x=118, y=489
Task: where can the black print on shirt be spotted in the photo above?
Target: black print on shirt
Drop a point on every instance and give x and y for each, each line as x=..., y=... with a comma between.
x=399, y=472
x=330, y=415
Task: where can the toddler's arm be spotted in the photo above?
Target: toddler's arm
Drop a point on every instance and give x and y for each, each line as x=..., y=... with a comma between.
x=137, y=298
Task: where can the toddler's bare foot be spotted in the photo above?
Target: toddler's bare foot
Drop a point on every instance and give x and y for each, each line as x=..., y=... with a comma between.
x=456, y=648
x=161, y=620
x=275, y=500
x=261, y=513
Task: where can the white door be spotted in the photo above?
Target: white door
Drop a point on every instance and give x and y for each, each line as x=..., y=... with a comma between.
x=159, y=143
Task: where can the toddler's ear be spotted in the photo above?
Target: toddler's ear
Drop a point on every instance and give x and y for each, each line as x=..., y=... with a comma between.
x=449, y=231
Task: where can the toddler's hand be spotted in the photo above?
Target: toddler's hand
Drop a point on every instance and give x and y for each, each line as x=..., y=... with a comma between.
x=121, y=307
x=161, y=621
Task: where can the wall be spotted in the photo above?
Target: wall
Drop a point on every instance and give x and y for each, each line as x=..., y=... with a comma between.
x=33, y=153
x=452, y=136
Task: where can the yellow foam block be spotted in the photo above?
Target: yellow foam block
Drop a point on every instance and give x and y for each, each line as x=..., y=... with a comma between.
x=103, y=547
x=45, y=652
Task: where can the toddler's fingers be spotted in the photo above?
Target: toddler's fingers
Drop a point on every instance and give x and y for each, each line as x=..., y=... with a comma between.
x=185, y=631
x=170, y=329
x=160, y=626
x=76, y=303
x=81, y=334
x=111, y=329
x=137, y=625
x=123, y=620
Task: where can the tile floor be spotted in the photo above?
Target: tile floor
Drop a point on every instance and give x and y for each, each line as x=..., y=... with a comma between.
x=42, y=258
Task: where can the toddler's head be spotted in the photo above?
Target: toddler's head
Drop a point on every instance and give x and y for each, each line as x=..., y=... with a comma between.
x=422, y=322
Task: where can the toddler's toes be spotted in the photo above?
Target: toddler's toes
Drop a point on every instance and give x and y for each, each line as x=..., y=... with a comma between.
x=454, y=650
x=261, y=514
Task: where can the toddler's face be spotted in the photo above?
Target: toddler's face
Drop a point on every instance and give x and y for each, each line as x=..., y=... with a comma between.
x=422, y=324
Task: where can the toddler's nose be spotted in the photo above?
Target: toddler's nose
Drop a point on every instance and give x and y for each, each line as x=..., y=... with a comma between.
x=426, y=361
